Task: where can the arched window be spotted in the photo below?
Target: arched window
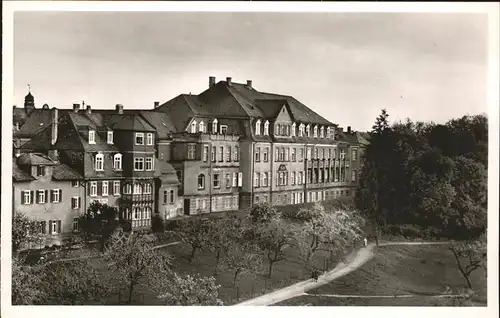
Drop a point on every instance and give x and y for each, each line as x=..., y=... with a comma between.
x=137, y=188
x=202, y=127
x=293, y=129
x=308, y=130
x=117, y=161
x=322, y=132
x=201, y=181
x=257, y=127
x=214, y=126
x=266, y=128
x=315, y=131
x=193, y=127
x=99, y=162
x=301, y=130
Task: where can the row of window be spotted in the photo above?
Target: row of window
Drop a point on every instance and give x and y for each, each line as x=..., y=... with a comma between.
x=41, y=196
x=139, y=138
x=290, y=154
x=291, y=130
x=234, y=179
x=140, y=163
x=228, y=153
x=137, y=213
x=102, y=188
x=321, y=175
x=202, y=128
x=261, y=179
x=168, y=197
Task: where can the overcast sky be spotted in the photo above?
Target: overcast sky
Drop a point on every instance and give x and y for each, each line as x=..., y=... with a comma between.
x=345, y=66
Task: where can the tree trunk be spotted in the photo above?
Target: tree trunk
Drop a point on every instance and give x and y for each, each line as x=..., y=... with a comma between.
x=217, y=259
x=234, y=278
x=468, y=280
x=191, y=257
x=130, y=292
x=270, y=268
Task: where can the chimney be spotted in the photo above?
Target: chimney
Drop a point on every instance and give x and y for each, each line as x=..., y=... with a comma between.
x=211, y=81
x=54, y=154
x=249, y=83
x=348, y=129
x=157, y=104
x=14, y=107
x=119, y=108
x=228, y=80
x=55, y=124
x=76, y=108
x=89, y=109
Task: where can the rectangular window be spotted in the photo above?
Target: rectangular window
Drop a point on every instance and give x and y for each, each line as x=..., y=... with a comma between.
x=138, y=164
x=257, y=154
x=149, y=164
x=99, y=162
x=216, y=180
x=228, y=154
x=240, y=179
x=214, y=154
x=40, y=171
x=287, y=154
x=277, y=154
x=236, y=153
x=116, y=187
x=25, y=197
x=54, y=226
x=148, y=188
x=301, y=154
x=56, y=195
x=265, y=179
x=354, y=155
x=235, y=179
x=139, y=138
x=93, y=188
x=149, y=139
x=127, y=188
x=294, y=154
x=74, y=183
x=205, y=153
x=165, y=196
x=342, y=154
x=105, y=188
x=91, y=137
x=41, y=196
x=309, y=153
x=223, y=129
x=256, y=179
x=75, y=202
x=117, y=162
x=75, y=225
x=110, y=137
x=221, y=153
x=266, y=154
x=316, y=153
x=293, y=177
x=353, y=175
x=172, y=196
x=191, y=152
x=228, y=180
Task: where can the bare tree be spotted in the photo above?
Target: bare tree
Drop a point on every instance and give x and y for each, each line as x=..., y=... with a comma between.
x=469, y=256
x=194, y=232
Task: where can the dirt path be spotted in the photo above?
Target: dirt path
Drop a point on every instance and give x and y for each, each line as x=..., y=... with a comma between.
x=363, y=255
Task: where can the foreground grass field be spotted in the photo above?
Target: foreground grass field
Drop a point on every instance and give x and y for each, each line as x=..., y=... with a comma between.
x=399, y=270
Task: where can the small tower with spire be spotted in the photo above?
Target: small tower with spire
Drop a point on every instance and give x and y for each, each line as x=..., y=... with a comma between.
x=29, y=101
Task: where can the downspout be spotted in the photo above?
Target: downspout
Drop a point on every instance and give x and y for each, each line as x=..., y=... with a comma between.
x=210, y=175
x=270, y=179
x=252, y=174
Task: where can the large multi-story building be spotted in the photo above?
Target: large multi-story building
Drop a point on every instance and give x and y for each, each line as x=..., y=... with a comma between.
x=224, y=149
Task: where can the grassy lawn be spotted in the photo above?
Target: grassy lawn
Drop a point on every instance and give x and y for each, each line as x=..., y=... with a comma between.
x=397, y=270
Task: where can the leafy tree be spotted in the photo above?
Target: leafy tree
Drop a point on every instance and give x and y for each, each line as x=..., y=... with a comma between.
x=25, y=232
x=26, y=284
x=157, y=224
x=274, y=239
x=133, y=258
x=189, y=290
x=381, y=123
x=241, y=258
x=74, y=283
x=469, y=256
x=101, y=221
x=194, y=232
x=263, y=213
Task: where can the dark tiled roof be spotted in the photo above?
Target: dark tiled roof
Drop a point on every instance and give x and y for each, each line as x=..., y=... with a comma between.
x=131, y=122
x=179, y=110
x=35, y=159
x=161, y=122
x=19, y=175
x=166, y=172
x=65, y=172
x=270, y=107
x=19, y=115
x=36, y=122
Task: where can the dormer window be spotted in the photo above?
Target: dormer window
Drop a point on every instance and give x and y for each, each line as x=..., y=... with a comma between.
x=91, y=136
x=193, y=127
x=257, y=127
x=110, y=137
x=149, y=139
x=308, y=130
x=139, y=138
x=99, y=162
x=293, y=129
x=202, y=127
x=301, y=130
x=266, y=128
x=214, y=126
x=315, y=131
x=40, y=171
x=322, y=132
x=223, y=129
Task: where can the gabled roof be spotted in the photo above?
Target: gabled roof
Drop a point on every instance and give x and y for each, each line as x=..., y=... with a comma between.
x=35, y=159
x=37, y=121
x=130, y=122
x=271, y=107
x=18, y=174
x=19, y=115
